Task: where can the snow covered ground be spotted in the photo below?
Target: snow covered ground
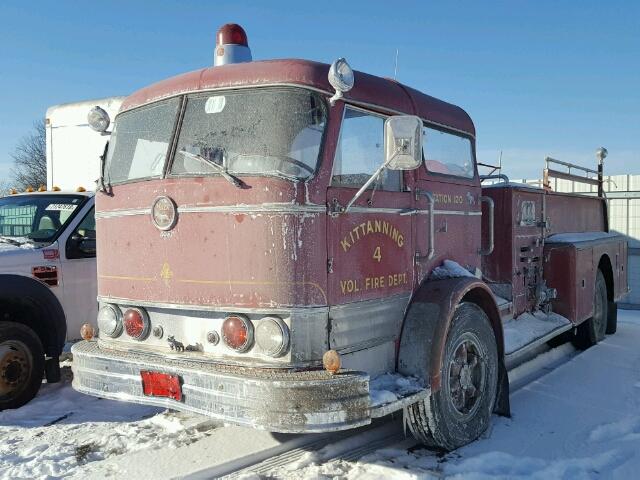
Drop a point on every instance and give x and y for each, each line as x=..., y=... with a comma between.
x=578, y=420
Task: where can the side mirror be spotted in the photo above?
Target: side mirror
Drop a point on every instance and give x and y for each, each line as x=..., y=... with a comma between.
x=403, y=142
x=87, y=246
x=402, y=149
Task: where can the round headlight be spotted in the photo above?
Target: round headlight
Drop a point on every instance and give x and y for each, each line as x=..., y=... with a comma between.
x=110, y=320
x=98, y=119
x=136, y=323
x=237, y=333
x=272, y=336
x=164, y=213
x=341, y=75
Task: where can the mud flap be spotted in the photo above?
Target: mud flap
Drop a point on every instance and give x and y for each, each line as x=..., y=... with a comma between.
x=502, y=406
x=52, y=370
x=612, y=318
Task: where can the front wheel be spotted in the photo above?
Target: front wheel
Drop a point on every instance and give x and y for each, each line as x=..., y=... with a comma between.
x=461, y=409
x=21, y=364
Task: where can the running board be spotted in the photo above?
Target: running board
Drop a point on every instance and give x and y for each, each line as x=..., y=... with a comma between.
x=528, y=331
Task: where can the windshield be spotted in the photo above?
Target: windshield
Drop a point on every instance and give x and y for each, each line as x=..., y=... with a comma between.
x=140, y=141
x=267, y=131
x=36, y=218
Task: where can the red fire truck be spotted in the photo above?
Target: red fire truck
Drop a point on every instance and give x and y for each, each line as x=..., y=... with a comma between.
x=299, y=247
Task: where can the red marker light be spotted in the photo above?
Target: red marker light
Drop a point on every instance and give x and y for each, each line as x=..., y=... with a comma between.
x=237, y=333
x=231, y=33
x=136, y=323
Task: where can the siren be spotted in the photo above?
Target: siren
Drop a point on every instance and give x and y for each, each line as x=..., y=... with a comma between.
x=232, y=45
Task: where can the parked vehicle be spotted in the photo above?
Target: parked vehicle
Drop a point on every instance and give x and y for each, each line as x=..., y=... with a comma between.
x=47, y=256
x=281, y=240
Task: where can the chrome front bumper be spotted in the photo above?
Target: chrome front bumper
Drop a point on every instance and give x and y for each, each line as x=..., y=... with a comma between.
x=278, y=401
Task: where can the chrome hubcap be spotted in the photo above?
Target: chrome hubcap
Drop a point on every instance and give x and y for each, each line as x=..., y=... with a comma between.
x=466, y=376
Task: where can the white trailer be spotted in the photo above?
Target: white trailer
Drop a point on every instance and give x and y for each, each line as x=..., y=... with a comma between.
x=73, y=148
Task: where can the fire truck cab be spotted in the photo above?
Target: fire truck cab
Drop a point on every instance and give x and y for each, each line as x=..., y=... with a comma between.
x=299, y=247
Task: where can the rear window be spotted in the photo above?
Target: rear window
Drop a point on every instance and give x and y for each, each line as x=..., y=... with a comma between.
x=447, y=154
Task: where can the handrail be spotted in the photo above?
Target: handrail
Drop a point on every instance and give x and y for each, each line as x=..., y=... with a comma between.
x=497, y=175
x=489, y=249
x=431, y=252
x=547, y=173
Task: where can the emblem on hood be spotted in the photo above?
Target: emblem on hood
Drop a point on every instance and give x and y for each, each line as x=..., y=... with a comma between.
x=164, y=213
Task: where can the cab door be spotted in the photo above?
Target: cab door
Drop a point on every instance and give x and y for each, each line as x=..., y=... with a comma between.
x=79, y=274
x=370, y=247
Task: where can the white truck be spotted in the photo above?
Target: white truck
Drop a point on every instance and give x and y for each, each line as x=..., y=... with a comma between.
x=47, y=255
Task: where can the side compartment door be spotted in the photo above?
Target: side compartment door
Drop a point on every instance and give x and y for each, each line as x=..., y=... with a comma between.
x=370, y=247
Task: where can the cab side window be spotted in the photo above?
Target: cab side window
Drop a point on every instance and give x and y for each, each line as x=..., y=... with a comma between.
x=447, y=154
x=360, y=152
x=82, y=242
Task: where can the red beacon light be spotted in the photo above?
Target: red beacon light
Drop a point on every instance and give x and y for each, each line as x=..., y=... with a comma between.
x=232, y=45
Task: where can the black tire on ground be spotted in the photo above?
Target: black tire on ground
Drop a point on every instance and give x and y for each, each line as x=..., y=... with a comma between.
x=21, y=364
x=593, y=330
x=612, y=318
x=460, y=411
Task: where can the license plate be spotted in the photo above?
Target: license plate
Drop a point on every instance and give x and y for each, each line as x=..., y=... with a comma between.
x=158, y=384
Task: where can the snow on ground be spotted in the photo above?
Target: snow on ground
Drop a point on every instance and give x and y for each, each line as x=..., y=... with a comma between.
x=61, y=432
x=579, y=421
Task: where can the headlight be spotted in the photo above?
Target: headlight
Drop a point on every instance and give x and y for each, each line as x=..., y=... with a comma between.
x=272, y=336
x=237, y=333
x=110, y=320
x=98, y=119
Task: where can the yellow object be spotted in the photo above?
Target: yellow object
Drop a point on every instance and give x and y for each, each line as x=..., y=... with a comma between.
x=56, y=189
x=28, y=189
x=81, y=189
x=42, y=188
x=87, y=332
x=331, y=361
x=13, y=191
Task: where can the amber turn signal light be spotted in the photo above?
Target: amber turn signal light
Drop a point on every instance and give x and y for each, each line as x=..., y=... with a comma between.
x=331, y=361
x=87, y=332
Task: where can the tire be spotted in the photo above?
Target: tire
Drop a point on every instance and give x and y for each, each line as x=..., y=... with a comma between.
x=593, y=330
x=456, y=415
x=21, y=365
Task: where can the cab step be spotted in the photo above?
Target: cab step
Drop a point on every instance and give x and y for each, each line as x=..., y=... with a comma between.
x=392, y=392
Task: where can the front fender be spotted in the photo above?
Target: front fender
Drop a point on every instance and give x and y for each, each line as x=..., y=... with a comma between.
x=428, y=319
x=46, y=317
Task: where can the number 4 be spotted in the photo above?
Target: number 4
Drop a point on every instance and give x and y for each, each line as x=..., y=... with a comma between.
x=376, y=254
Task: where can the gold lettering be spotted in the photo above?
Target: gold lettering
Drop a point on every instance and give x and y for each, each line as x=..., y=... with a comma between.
x=385, y=228
x=369, y=227
x=400, y=241
x=378, y=226
x=345, y=244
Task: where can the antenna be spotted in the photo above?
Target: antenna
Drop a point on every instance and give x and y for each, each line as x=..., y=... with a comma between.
x=395, y=70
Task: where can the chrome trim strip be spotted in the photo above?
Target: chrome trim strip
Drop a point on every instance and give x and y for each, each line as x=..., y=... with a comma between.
x=457, y=212
x=284, y=208
x=275, y=208
x=123, y=212
x=212, y=308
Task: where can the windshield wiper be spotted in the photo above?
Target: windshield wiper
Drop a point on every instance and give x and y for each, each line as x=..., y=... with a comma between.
x=10, y=241
x=223, y=171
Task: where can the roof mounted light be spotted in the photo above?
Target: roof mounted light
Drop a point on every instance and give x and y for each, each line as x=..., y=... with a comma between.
x=601, y=154
x=232, y=45
x=341, y=78
x=98, y=119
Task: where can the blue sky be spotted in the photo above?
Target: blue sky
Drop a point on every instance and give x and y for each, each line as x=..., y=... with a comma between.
x=545, y=77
